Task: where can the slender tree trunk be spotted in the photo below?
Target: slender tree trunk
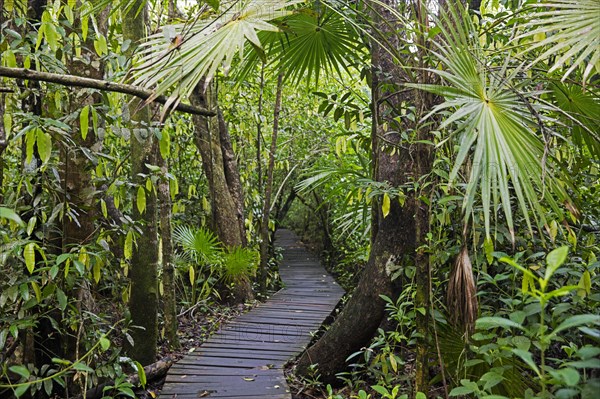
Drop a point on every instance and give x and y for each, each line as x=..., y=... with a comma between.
x=143, y=303
x=3, y=143
x=264, y=225
x=168, y=269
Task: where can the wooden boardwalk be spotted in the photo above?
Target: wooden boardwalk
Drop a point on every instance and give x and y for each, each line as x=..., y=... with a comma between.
x=245, y=358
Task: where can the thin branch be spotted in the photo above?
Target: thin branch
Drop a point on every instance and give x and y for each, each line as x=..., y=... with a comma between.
x=78, y=81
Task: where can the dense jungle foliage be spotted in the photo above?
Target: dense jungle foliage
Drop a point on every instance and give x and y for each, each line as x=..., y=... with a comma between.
x=441, y=156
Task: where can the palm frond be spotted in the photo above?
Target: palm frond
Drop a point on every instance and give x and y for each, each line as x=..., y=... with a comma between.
x=239, y=264
x=315, y=44
x=499, y=126
x=570, y=31
x=181, y=56
x=200, y=243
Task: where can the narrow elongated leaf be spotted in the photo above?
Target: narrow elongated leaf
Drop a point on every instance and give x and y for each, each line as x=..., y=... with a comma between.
x=29, y=255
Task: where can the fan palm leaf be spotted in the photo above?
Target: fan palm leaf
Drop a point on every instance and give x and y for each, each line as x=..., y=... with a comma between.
x=200, y=243
x=499, y=126
x=181, y=56
x=571, y=32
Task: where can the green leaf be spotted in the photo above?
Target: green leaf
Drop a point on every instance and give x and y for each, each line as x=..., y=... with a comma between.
x=128, y=247
x=554, y=260
x=84, y=121
x=62, y=299
x=491, y=379
x=141, y=374
x=487, y=323
x=141, y=199
x=6, y=213
x=460, y=391
x=567, y=376
x=380, y=390
x=488, y=247
x=21, y=390
x=79, y=366
x=104, y=343
x=576, y=321
x=214, y=4
x=21, y=370
x=385, y=206
x=29, y=255
x=528, y=359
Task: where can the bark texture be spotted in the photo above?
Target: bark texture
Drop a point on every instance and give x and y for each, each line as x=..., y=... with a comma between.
x=400, y=163
x=168, y=269
x=220, y=167
x=143, y=303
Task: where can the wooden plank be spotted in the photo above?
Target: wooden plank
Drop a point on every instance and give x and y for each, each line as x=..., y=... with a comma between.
x=245, y=358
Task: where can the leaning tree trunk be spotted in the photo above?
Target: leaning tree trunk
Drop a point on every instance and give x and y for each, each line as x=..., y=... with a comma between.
x=143, y=303
x=220, y=168
x=393, y=240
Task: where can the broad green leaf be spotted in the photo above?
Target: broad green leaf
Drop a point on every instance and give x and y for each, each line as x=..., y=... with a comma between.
x=385, y=206
x=44, y=145
x=29, y=255
x=96, y=270
x=104, y=343
x=569, y=376
x=492, y=322
x=84, y=121
x=141, y=199
x=128, y=247
x=576, y=321
x=585, y=284
x=554, y=260
x=6, y=213
x=21, y=390
x=20, y=370
x=30, y=139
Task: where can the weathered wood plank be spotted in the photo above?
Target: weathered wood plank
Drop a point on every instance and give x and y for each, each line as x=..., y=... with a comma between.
x=245, y=358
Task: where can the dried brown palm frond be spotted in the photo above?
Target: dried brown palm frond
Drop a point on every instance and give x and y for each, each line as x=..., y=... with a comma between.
x=462, y=292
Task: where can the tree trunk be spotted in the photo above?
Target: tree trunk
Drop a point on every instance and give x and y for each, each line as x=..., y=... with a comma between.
x=264, y=225
x=143, y=303
x=219, y=165
x=394, y=237
x=168, y=270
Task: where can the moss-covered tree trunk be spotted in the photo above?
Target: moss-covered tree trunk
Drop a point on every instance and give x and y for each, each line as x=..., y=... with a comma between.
x=143, y=302
x=220, y=167
x=168, y=270
x=400, y=161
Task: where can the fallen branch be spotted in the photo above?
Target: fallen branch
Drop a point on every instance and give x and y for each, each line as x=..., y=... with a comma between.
x=79, y=81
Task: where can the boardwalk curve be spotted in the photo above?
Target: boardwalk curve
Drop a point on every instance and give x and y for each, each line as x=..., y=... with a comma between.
x=245, y=358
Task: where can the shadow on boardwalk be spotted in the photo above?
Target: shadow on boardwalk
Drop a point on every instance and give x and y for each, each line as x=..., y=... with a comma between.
x=245, y=358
